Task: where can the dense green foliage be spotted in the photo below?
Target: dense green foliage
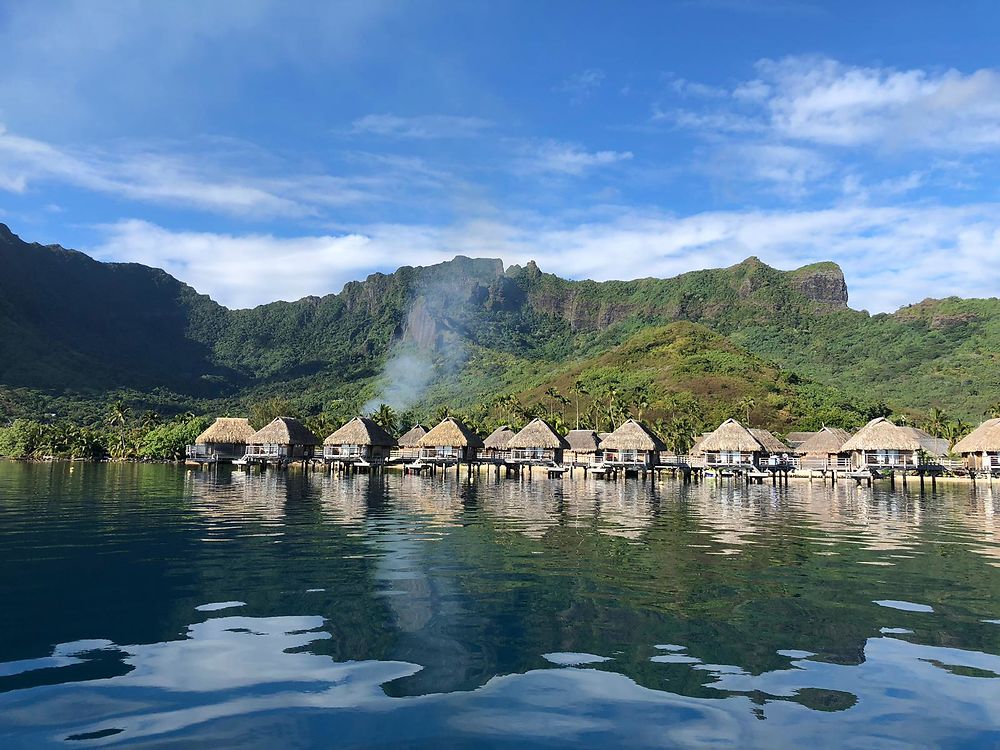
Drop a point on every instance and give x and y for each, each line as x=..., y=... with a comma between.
x=781, y=348
x=122, y=436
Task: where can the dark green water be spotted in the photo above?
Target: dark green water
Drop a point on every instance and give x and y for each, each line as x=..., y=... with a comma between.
x=155, y=606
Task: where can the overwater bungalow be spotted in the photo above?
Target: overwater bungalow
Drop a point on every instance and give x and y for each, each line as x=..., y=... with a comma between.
x=358, y=441
x=880, y=444
x=584, y=447
x=775, y=451
x=537, y=443
x=450, y=441
x=732, y=444
x=981, y=448
x=284, y=439
x=824, y=449
x=225, y=440
x=495, y=444
x=409, y=443
x=632, y=445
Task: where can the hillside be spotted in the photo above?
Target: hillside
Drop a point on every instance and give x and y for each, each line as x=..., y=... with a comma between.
x=73, y=331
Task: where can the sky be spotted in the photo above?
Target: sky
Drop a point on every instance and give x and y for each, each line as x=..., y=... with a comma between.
x=262, y=150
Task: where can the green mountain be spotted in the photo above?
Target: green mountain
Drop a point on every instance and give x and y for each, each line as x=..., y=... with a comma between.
x=75, y=332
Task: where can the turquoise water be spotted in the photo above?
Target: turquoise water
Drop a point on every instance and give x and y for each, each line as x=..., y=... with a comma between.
x=160, y=607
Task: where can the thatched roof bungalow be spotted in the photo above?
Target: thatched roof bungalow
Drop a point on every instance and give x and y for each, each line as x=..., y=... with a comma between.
x=361, y=439
x=981, y=447
x=880, y=444
x=409, y=442
x=825, y=448
x=732, y=444
x=632, y=444
x=584, y=446
x=450, y=440
x=537, y=442
x=225, y=439
x=495, y=444
x=284, y=438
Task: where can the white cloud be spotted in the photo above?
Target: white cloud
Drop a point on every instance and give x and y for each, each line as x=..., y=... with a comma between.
x=791, y=172
x=567, y=158
x=823, y=101
x=891, y=256
x=421, y=127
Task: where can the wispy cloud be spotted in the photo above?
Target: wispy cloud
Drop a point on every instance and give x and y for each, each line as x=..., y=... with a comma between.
x=247, y=183
x=557, y=157
x=421, y=127
x=583, y=84
x=892, y=256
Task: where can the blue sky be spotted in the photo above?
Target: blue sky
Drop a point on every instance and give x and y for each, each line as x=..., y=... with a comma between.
x=263, y=152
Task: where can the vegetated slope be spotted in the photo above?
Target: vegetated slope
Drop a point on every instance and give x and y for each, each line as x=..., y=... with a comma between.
x=73, y=329
x=69, y=322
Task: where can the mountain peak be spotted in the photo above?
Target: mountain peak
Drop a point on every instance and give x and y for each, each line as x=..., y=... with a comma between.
x=823, y=283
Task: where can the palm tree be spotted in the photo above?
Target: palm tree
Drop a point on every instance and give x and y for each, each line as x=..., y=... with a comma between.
x=579, y=389
x=119, y=416
x=386, y=418
x=936, y=421
x=554, y=396
x=746, y=404
x=993, y=411
x=641, y=398
x=954, y=430
x=610, y=396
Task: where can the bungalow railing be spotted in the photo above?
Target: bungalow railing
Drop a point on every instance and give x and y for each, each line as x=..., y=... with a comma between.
x=889, y=462
x=343, y=451
x=440, y=453
x=840, y=463
x=266, y=450
x=198, y=451
x=531, y=454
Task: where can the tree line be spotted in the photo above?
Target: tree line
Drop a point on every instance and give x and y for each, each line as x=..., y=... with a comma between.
x=678, y=418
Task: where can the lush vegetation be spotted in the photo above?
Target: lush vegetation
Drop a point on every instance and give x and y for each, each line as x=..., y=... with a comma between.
x=122, y=435
x=781, y=349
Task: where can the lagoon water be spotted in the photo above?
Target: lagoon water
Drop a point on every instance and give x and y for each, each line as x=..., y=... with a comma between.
x=153, y=606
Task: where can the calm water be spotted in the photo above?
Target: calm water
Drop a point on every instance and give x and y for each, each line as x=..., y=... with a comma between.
x=155, y=606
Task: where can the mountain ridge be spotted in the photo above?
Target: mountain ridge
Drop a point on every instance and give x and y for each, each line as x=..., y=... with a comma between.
x=74, y=329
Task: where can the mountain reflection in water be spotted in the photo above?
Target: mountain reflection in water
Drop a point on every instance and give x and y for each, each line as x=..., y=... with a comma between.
x=151, y=605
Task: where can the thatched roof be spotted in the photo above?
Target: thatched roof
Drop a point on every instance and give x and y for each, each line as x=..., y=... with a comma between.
x=411, y=438
x=795, y=439
x=537, y=434
x=498, y=439
x=985, y=438
x=284, y=431
x=928, y=443
x=696, y=449
x=827, y=441
x=632, y=436
x=731, y=436
x=451, y=431
x=234, y=430
x=881, y=434
x=583, y=441
x=770, y=443
x=361, y=431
